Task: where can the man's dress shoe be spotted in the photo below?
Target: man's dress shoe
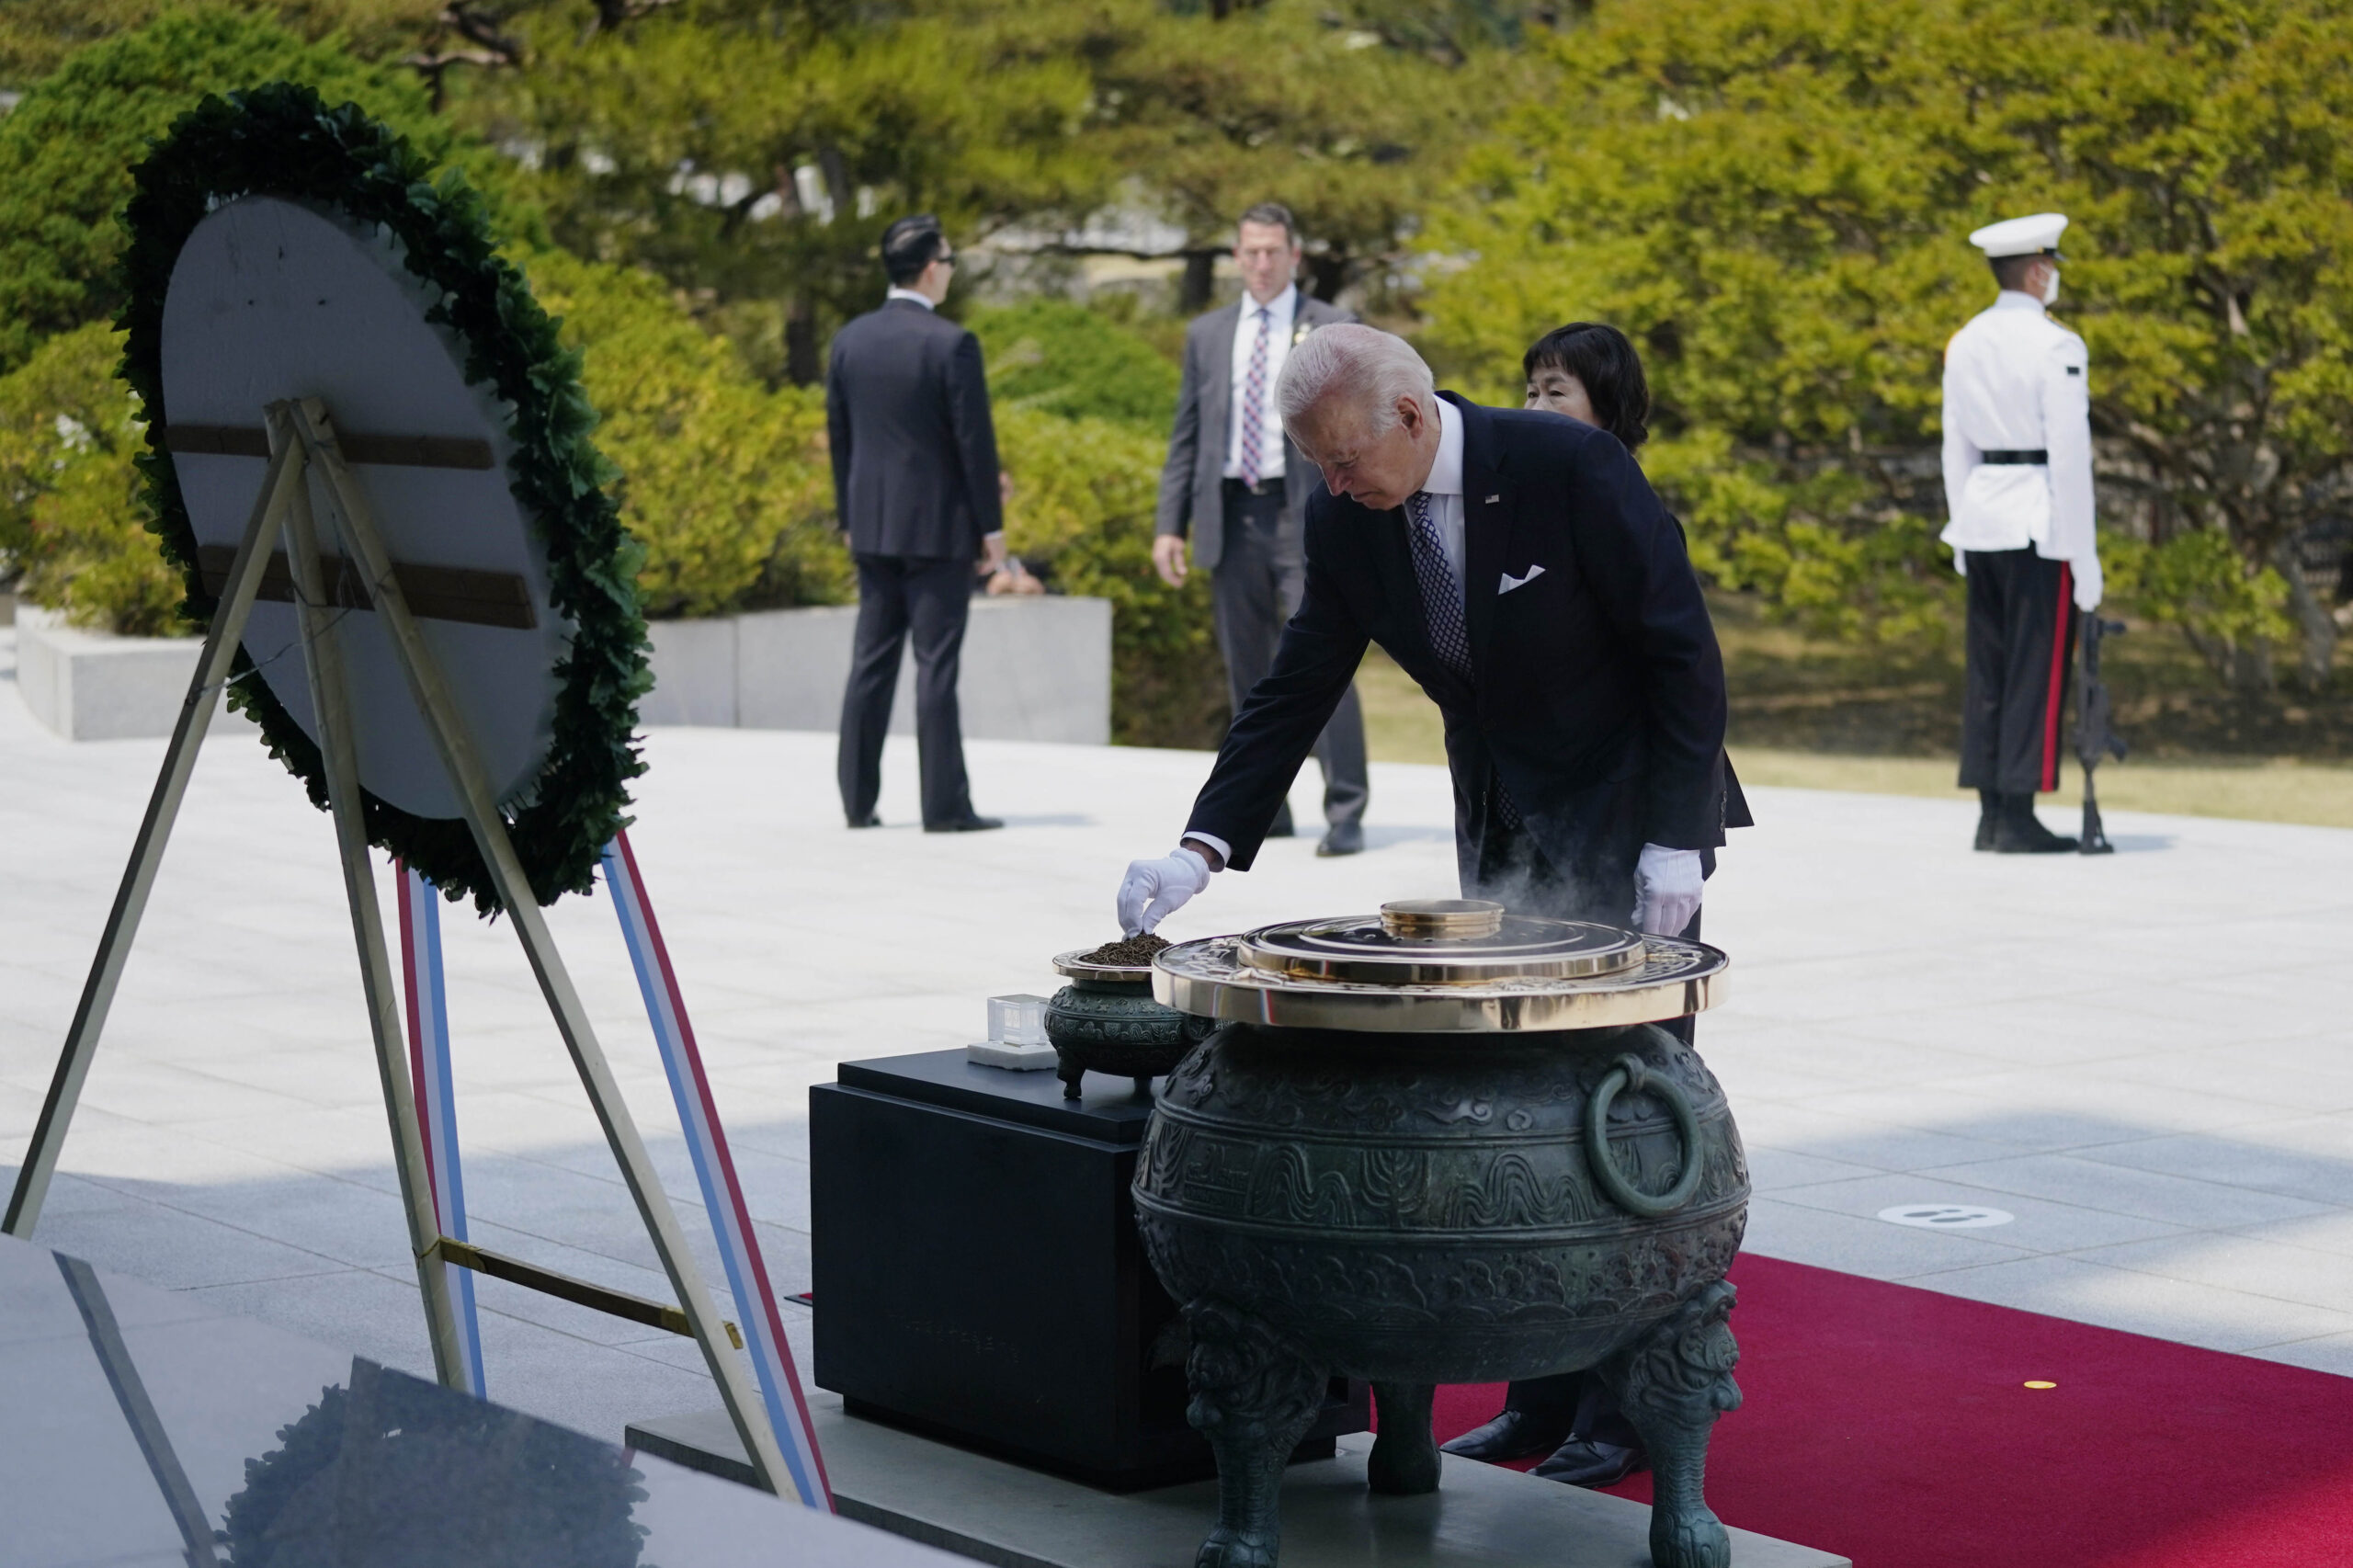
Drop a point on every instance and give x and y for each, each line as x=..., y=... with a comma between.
x=1584, y=1461
x=1344, y=838
x=1513, y=1435
x=870, y=820
x=964, y=825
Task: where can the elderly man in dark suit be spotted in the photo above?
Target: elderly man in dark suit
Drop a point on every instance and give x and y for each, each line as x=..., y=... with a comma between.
x=1519, y=567
x=918, y=493
x=1237, y=485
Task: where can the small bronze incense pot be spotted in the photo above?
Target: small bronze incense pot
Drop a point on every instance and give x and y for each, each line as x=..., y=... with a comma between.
x=1106, y=1020
x=1444, y=1145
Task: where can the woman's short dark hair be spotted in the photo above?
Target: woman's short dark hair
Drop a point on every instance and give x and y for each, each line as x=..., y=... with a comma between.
x=1601, y=357
x=909, y=245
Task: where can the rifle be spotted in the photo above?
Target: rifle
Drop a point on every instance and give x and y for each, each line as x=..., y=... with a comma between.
x=2095, y=736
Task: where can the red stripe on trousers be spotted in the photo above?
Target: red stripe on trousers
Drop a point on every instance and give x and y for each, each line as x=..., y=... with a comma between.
x=2058, y=681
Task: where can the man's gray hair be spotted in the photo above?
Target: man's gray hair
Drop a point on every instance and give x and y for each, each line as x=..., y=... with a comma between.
x=1362, y=368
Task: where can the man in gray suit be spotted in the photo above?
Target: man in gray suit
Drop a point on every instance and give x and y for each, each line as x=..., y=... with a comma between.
x=1237, y=486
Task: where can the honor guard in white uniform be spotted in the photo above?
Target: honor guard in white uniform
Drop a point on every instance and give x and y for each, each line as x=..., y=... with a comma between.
x=2018, y=463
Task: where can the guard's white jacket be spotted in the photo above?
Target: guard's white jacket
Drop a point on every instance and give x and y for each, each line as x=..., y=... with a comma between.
x=2017, y=380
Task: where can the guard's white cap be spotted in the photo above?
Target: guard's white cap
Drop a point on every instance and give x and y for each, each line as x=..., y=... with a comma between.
x=2037, y=235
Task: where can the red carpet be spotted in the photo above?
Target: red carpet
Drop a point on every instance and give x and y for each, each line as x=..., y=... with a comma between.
x=1893, y=1424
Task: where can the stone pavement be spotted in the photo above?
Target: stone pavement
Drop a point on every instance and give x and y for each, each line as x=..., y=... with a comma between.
x=2146, y=1060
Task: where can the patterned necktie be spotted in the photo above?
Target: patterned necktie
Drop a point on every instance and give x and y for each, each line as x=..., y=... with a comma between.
x=1253, y=402
x=1442, y=595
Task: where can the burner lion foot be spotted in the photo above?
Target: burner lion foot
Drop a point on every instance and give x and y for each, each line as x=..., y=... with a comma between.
x=1404, y=1461
x=1673, y=1383
x=1254, y=1398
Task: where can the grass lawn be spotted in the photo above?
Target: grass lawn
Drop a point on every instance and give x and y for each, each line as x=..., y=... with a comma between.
x=1402, y=725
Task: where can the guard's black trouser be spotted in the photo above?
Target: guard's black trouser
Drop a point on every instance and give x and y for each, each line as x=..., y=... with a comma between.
x=2021, y=647
x=1254, y=588
x=898, y=596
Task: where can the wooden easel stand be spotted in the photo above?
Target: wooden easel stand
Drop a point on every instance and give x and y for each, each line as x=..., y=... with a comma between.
x=300, y=438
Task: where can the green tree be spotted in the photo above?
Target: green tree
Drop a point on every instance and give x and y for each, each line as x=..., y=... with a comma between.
x=753, y=152
x=1772, y=196
x=36, y=35
x=70, y=512
x=1355, y=127
x=67, y=149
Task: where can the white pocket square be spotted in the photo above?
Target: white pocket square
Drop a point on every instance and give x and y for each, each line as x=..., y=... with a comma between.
x=1511, y=582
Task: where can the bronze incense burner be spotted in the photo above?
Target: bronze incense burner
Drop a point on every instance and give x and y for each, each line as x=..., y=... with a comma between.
x=1448, y=1145
x=1106, y=1020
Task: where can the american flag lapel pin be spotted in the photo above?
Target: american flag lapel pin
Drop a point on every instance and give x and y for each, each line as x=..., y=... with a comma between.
x=1493, y=499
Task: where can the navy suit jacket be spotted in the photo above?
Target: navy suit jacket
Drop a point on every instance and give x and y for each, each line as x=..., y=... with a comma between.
x=1598, y=689
x=914, y=448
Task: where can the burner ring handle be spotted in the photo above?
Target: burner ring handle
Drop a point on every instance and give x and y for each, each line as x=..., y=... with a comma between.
x=1628, y=1075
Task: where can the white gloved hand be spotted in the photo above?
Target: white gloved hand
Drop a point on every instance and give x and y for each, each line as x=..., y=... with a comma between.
x=1668, y=884
x=1155, y=890
x=2089, y=584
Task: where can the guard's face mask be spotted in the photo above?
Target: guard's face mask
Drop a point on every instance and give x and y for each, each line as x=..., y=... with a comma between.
x=2050, y=287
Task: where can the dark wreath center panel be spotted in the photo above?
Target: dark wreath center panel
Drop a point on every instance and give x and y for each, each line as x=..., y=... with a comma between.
x=978, y=1276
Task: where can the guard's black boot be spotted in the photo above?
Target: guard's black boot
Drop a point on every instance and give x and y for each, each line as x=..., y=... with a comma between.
x=2016, y=831
x=1989, y=808
x=1513, y=1435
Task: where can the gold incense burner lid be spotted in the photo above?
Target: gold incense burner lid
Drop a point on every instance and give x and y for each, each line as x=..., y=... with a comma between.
x=1440, y=966
x=1440, y=941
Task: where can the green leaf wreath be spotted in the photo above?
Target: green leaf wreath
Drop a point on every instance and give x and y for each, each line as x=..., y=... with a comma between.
x=282, y=139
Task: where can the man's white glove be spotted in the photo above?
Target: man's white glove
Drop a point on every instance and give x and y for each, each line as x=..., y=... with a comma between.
x=1668, y=884
x=1155, y=890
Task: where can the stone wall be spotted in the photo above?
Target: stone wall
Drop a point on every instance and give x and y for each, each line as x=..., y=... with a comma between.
x=1034, y=669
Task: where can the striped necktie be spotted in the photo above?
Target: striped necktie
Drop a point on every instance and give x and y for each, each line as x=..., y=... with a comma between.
x=1254, y=403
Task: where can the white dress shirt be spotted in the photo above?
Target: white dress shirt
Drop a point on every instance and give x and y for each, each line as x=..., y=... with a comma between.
x=2017, y=380
x=1280, y=314
x=1444, y=487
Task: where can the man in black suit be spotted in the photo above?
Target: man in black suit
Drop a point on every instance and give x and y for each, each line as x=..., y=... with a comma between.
x=1517, y=566
x=918, y=493
x=1237, y=485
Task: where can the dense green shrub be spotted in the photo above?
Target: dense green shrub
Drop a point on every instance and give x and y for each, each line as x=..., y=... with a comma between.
x=1065, y=359
x=1084, y=402
x=724, y=482
x=70, y=512
x=1082, y=513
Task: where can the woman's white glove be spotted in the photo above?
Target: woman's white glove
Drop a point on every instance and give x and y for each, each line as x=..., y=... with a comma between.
x=1155, y=890
x=1668, y=884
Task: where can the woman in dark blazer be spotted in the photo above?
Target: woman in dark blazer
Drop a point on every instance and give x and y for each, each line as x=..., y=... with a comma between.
x=1589, y=372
